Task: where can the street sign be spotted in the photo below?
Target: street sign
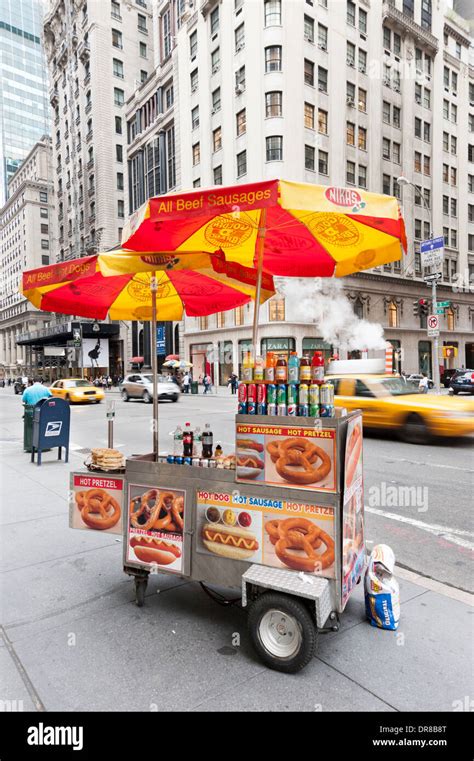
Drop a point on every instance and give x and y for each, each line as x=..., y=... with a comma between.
x=444, y=303
x=440, y=311
x=160, y=340
x=432, y=324
x=432, y=252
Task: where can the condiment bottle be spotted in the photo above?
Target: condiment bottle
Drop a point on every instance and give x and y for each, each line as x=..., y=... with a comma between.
x=293, y=368
x=218, y=451
x=317, y=368
x=270, y=367
x=281, y=370
x=259, y=369
x=305, y=370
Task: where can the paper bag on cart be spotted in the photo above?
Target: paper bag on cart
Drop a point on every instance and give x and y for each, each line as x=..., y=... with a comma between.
x=382, y=595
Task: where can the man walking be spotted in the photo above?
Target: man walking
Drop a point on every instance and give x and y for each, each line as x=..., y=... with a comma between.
x=423, y=384
x=34, y=393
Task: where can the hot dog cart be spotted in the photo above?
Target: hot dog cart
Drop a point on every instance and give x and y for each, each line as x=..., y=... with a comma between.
x=255, y=534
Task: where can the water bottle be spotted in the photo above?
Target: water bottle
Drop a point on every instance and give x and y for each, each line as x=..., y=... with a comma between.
x=178, y=441
x=197, y=442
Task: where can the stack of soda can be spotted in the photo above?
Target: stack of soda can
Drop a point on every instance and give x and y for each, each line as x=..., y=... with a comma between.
x=292, y=399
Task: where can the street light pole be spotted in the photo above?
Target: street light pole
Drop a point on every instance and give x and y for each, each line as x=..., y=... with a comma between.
x=434, y=281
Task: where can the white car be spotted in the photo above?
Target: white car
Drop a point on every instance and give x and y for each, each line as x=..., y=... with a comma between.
x=140, y=386
x=415, y=378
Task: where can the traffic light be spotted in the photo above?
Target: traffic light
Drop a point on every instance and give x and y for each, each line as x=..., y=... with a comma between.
x=424, y=307
x=416, y=308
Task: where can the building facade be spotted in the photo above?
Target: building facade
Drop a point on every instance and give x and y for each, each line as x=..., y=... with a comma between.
x=24, y=107
x=28, y=235
x=335, y=93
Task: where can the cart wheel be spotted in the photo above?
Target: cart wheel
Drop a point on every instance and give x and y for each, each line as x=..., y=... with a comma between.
x=282, y=631
x=140, y=591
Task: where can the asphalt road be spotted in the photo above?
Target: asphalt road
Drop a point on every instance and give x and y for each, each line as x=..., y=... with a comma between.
x=418, y=498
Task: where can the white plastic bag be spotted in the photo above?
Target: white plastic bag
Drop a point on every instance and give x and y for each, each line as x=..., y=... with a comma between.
x=382, y=594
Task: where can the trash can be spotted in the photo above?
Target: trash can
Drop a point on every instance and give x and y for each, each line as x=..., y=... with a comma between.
x=194, y=387
x=28, y=427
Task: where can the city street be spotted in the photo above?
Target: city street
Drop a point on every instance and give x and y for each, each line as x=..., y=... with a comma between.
x=73, y=639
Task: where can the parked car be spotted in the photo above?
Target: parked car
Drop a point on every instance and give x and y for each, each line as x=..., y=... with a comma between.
x=389, y=403
x=447, y=376
x=462, y=382
x=76, y=390
x=140, y=386
x=415, y=378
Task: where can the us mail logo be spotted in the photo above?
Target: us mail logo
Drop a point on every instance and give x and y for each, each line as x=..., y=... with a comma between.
x=53, y=429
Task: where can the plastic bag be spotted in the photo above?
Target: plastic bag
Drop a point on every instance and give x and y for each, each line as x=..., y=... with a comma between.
x=382, y=594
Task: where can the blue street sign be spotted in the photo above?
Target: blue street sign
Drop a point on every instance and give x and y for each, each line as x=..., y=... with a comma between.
x=160, y=340
x=431, y=245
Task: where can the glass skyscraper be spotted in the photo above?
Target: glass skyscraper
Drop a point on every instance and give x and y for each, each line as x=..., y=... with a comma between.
x=24, y=106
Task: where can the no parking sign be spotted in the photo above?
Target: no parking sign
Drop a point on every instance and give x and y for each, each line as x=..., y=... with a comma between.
x=433, y=325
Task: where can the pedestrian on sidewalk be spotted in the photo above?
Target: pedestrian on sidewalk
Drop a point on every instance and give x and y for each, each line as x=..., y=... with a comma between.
x=186, y=383
x=34, y=393
x=423, y=384
x=234, y=382
x=207, y=384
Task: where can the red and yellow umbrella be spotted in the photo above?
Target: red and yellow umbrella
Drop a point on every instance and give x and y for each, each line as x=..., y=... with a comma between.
x=287, y=228
x=118, y=285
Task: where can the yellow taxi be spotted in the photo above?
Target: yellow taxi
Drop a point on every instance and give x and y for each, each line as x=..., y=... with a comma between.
x=389, y=402
x=77, y=390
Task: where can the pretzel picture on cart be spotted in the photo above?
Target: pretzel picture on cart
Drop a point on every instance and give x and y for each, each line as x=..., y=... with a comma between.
x=155, y=527
x=301, y=462
x=300, y=544
x=96, y=502
x=159, y=510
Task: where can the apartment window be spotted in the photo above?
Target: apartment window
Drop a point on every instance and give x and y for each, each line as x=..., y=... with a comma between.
x=141, y=21
x=308, y=72
x=418, y=93
x=241, y=163
x=197, y=182
x=323, y=162
x=195, y=117
x=454, y=113
x=118, y=125
x=446, y=78
x=273, y=103
x=454, y=146
x=204, y=323
x=194, y=80
x=273, y=58
x=458, y=50
x=350, y=54
x=119, y=181
x=120, y=209
x=362, y=21
x=44, y=244
x=118, y=68
x=217, y=139
x=196, y=153
x=362, y=101
x=397, y=44
x=386, y=184
x=272, y=12
x=322, y=121
x=446, y=238
x=362, y=61
x=239, y=36
x=119, y=97
x=454, y=176
x=309, y=157
x=426, y=14
x=350, y=133
x=117, y=39
x=426, y=97
x=392, y=315
x=169, y=96
x=217, y=172
x=387, y=38
x=308, y=28
x=240, y=79
x=215, y=60
x=238, y=316
x=445, y=205
x=445, y=173
x=426, y=165
x=362, y=141
x=44, y=213
x=193, y=44
x=309, y=116
x=470, y=151
x=454, y=207
x=417, y=231
x=216, y=99
x=143, y=49
x=362, y=176
x=322, y=37
x=274, y=148
x=445, y=108
x=470, y=246
x=350, y=172
x=418, y=127
x=276, y=309
x=241, y=122
x=470, y=183
x=322, y=79
x=214, y=19
x=386, y=114
x=427, y=132
x=386, y=148
x=351, y=13
x=115, y=9
x=454, y=239
x=166, y=32
x=118, y=153
x=44, y=229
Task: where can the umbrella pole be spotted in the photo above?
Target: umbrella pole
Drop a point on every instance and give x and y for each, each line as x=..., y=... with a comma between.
x=258, y=289
x=154, y=367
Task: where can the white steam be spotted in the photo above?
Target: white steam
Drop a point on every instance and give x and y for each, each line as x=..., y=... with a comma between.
x=323, y=302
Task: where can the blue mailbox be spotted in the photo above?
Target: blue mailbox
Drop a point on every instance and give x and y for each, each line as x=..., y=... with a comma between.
x=51, y=425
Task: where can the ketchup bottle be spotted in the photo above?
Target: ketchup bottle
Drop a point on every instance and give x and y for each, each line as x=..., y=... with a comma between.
x=317, y=368
x=281, y=370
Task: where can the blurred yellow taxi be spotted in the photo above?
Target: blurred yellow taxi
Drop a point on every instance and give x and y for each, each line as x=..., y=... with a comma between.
x=389, y=402
x=76, y=390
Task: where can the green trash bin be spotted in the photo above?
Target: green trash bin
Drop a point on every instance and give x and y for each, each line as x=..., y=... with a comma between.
x=28, y=427
x=194, y=387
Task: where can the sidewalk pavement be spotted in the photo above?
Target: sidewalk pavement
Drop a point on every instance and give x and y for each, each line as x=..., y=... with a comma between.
x=73, y=639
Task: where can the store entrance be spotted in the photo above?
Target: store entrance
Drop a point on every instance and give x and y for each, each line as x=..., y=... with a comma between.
x=470, y=356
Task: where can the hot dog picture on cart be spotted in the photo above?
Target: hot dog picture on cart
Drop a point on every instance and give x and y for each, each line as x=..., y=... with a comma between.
x=156, y=523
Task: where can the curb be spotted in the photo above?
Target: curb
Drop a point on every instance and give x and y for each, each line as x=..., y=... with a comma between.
x=435, y=586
